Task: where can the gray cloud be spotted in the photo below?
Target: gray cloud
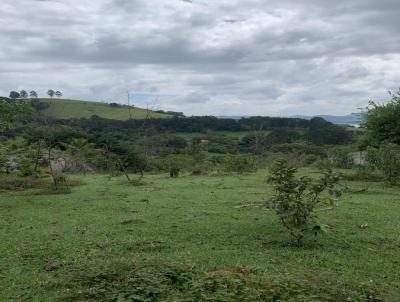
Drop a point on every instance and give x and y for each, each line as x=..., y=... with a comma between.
x=205, y=57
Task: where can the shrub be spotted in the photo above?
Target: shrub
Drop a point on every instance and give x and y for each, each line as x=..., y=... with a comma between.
x=239, y=163
x=363, y=173
x=342, y=158
x=25, y=166
x=59, y=179
x=295, y=199
x=175, y=163
x=323, y=164
x=387, y=159
x=309, y=159
x=3, y=163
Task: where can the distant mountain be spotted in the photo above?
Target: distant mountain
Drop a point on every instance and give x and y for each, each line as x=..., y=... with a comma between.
x=351, y=119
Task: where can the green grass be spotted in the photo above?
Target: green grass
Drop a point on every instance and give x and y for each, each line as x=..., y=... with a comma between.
x=66, y=109
x=109, y=238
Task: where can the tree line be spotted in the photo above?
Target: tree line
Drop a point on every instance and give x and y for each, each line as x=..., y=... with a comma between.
x=23, y=94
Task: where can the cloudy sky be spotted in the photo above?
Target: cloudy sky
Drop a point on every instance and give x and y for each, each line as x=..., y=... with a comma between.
x=221, y=57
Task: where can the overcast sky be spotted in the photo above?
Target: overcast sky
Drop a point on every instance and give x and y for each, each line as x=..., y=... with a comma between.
x=221, y=57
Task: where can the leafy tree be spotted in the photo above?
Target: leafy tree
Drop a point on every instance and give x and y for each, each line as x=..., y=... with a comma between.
x=295, y=199
x=25, y=166
x=387, y=159
x=321, y=132
x=58, y=94
x=23, y=94
x=239, y=163
x=382, y=121
x=342, y=157
x=12, y=112
x=14, y=95
x=175, y=163
x=51, y=93
x=33, y=94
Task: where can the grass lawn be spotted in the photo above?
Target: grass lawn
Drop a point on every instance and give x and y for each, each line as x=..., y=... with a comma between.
x=186, y=239
x=66, y=109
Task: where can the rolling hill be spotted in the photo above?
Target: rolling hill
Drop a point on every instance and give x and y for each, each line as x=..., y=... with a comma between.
x=66, y=109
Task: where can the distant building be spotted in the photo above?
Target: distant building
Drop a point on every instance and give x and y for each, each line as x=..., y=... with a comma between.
x=204, y=142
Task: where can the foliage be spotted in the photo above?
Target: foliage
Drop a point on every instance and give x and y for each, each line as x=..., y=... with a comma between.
x=173, y=282
x=33, y=94
x=26, y=166
x=239, y=163
x=12, y=112
x=382, y=121
x=51, y=93
x=59, y=179
x=341, y=157
x=321, y=132
x=295, y=199
x=3, y=162
x=300, y=148
x=387, y=159
x=177, y=142
x=195, y=151
x=14, y=95
x=175, y=163
x=23, y=94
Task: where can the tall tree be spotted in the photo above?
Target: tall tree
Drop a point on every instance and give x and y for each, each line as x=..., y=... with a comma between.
x=12, y=112
x=14, y=95
x=33, y=94
x=59, y=94
x=51, y=93
x=382, y=121
x=23, y=94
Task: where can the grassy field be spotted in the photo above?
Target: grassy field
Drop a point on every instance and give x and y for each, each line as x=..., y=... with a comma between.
x=192, y=239
x=65, y=109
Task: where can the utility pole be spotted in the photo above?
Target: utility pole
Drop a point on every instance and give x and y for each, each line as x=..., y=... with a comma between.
x=129, y=106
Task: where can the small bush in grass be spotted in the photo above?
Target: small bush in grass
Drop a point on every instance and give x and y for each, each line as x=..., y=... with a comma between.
x=363, y=173
x=25, y=166
x=13, y=182
x=295, y=199
x=59, y=179
x=309, y=159
x=239, y=163
x=323, y=164
x=3, y=163
x=174, y=163
x=386, y=159
x=342, y=158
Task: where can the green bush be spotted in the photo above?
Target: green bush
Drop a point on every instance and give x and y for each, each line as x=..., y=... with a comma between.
x=3, y=163
x=174, y=163
x=387, y=159
x=25, y=166
x=309, y=159
x=341, y=158
x=295, y=199
x=239, y=163
x=59, y=179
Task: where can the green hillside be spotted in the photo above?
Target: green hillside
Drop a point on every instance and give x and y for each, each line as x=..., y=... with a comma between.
x=65, y=109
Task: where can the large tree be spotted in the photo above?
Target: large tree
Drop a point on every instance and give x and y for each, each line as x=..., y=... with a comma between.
x=51, y=93
x=58, y=94
x=14, y=95
x=382, y=122
x=33, y=94
x=23, y=94
x=12, y=112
